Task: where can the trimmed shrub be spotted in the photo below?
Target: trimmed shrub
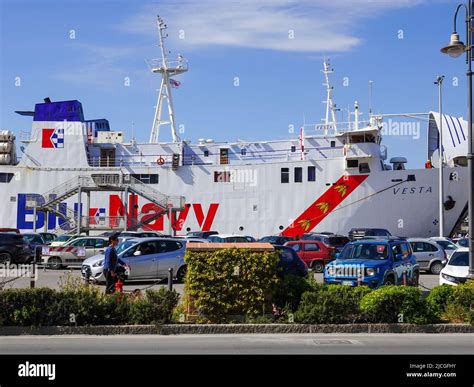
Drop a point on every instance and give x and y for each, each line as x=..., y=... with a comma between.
x=230, y=282
x=331, y=304
x=460, y=309
x=384, y=305
x=156, y=308
x=288, y=292
x=437, y=300
x=47, y=307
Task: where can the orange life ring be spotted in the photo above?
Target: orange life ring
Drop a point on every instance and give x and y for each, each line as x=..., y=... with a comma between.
x=160, y=160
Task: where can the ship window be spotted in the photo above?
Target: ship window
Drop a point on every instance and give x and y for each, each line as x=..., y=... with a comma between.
x=364, y=168
x=293, y=148
x=147, y=178
x=285, y=175
x=224, y=152
x=352, y=163
x=243, y=151
x=206, y=153
x=311, y=173
x=222, y=177
x=333, y=144
x=6, y=177
x=298, y=175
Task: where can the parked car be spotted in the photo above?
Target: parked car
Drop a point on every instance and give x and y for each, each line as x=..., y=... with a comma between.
x=14, y=249
x=359, y=233
x=334, y=241
x=62, y=239
x=429, y=254
x=9, y=230
x=146, y=258
x=201, y=234
x=140, y=234
x=315, y=254
x=463, y=242
x=374, y=263
x=290, y=263
x=227, y=238
x=250, y=239
x=456, y=270
x=276, y=239
x=48, y=237
x=74, y=252
x=447, y=245
x=36, y=243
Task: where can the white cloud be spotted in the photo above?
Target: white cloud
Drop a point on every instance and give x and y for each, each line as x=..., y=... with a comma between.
x=318, y=25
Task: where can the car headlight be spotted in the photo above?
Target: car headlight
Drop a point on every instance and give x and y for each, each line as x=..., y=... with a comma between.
x=331, y=270
x=370, y=271
x=98, y=264
x=448, y=277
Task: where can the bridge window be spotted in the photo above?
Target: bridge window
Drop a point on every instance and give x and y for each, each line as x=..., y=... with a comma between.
x=224, y=153
x=311, y=173
x=206, y=153
x=6, y=177
x=364, y=168
x=352, y=163
x=243, y=151
x=147, y=178
x=298, y=175
x=285, y=175
x=293, y=148
x=333, y=144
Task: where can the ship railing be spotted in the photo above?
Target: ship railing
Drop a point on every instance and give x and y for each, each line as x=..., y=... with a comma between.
x=173, y=66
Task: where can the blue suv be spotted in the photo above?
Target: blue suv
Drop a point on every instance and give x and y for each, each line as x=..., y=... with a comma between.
x=374, y=262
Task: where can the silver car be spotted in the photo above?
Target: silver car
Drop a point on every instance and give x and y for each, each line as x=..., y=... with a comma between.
x=429, y=254
x=146, y=258
x=447, y=245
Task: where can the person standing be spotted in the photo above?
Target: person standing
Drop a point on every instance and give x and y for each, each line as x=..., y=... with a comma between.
x=110, y=264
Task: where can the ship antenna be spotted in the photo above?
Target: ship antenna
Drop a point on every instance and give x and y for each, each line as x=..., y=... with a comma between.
x=167, y=68
x=330, y=107
x=370, y=98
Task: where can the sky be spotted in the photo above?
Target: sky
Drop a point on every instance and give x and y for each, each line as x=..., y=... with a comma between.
x=254, y=65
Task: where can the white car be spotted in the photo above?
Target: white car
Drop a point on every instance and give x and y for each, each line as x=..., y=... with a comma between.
x=456, y=270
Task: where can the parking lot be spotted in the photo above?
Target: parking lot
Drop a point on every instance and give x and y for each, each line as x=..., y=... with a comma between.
x=54, y=278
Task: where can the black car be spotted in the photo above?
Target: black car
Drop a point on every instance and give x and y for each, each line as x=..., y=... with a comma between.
x=360, y=233
x=14, y=249
x=276, y=239
x=36, y=242
x=201, y=234
x=290, y=263
x=331, y=240
x=48, y=237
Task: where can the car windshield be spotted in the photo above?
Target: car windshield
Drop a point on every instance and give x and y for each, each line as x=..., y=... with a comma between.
x=33, y=239
x=463, y=242
x=459, y=259
x=125, y=245
x=447, y=245
x=337, y=241
x=269, y=239
x=365, y=251
x=63, y=238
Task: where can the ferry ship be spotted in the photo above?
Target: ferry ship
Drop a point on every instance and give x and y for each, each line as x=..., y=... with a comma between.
x=79, y=175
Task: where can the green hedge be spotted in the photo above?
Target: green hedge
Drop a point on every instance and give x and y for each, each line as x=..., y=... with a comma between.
x=230, y=282
x=331, y=304
x=90, y=306
x=392, y=304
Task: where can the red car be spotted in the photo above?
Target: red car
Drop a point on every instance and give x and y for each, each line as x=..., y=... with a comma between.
x=10, y=230
x=314, y=253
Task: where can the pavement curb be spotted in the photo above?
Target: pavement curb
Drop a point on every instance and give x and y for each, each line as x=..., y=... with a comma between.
x=196, y=329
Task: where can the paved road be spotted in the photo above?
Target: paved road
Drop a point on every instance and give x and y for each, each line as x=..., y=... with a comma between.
x=53, y=279
x=431, y=344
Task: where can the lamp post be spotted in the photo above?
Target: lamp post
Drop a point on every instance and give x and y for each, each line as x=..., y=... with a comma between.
x=456, y=48
x=439, y=83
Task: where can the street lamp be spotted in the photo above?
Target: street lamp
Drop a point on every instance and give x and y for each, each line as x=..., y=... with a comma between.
x=454, y=49
x=439, y=83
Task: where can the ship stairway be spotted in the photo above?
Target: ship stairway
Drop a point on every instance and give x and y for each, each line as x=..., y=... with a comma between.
x=73, y=221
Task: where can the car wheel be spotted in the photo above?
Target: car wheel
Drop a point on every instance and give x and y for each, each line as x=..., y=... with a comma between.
x=55, y=263
x=389, y=280
x=318, y=267
x=5, y=259
x=436, y=268
x=181, y=274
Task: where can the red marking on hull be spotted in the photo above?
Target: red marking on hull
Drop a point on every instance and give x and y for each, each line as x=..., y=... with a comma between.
x=324, y=205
